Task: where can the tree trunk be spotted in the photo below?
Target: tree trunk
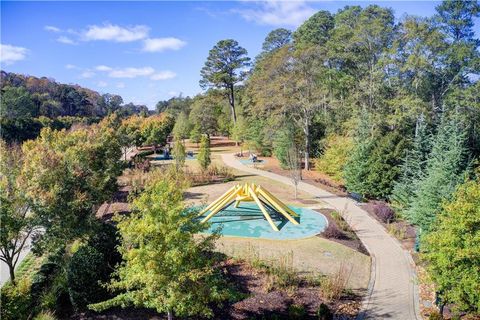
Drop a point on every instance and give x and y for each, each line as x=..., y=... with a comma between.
x=232, y=107
x=11, y=270
x=169, y=315
x=232, y=104
x=307, y=145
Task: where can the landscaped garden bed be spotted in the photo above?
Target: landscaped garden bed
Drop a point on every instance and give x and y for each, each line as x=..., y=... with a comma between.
x=339, y=231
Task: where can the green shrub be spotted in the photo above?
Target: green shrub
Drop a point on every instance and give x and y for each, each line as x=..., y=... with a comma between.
x=45, y=315
x=92, y=264
x=86, y=269
x=55, y=296
x=435, y=316
x=324, y=313
x=105, y=241
x=204, y=153
x=296, y=311
x=335, y=155
x=16, y=301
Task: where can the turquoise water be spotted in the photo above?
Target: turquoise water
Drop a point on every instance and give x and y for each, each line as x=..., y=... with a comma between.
x=162, y=157
x=248, y=221
x=249, y=161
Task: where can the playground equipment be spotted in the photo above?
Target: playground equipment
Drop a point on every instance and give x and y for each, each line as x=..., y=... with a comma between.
x=251, y=193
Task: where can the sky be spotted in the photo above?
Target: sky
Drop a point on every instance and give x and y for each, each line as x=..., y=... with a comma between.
x=146, y=51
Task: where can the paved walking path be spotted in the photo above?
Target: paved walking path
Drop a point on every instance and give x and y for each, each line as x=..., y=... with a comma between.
x=392, y=290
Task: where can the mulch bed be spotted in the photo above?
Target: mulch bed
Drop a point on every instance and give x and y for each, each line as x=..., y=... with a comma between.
x=400, y=227
x=350, y=239
x=257, y=304
x=261, y=304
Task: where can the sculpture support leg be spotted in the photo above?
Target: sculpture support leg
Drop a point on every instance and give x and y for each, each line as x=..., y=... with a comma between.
x=262, y=208
x=278, y=207
x=274, y=199
x=220, y=206
x=211, y=205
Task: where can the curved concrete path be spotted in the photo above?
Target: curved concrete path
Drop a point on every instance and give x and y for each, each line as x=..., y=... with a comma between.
x=392, y=292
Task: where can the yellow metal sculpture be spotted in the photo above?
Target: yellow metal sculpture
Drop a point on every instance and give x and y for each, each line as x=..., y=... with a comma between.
x=250, y=193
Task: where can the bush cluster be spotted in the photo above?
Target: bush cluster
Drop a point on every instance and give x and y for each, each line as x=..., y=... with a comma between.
x=92, y=265
x=333, y=232
x=16, y=301
x=383, y=212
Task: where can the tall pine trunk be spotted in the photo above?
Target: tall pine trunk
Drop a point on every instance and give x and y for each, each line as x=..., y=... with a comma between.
x=306, y=131
x=231, y=99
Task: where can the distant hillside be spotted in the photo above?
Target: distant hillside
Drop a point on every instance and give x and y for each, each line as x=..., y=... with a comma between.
x=29, y=96
x=29, y=103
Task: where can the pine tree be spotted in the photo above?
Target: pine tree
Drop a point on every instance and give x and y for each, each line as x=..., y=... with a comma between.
x=413, y=167
x=178, y=152
x=182, y=126
x=384, y=164
x=204, y=153
x=195, y=134
x=356, y=170
x=445, y=169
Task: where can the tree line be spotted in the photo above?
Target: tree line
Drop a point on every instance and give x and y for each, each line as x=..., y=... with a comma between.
x=29, y=103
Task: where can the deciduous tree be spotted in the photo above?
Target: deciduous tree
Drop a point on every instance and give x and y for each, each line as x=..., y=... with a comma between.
x=165, y=267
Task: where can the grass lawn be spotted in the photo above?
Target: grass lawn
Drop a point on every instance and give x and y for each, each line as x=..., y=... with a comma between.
x=310, y=256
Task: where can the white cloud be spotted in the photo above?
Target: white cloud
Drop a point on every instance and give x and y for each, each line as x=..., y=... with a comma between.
x=131, y=72
x=110, y=32
x=103, y=68
x=102, y=84
x=70, y=66
x=10, y=54
x=163, y=75
x=87, y=74
x=120, y=85
x=162, y=44
x=278, y=13
x=65, y=40
x=52, y=29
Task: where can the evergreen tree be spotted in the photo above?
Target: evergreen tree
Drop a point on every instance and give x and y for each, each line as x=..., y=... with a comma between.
x=178, y=152
x=384, y=164
x=204, y=153
x=413, y=167
x=182, y=126
x=195, y=134
x=453, y=249
x=356, y=170
x=445, y=169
